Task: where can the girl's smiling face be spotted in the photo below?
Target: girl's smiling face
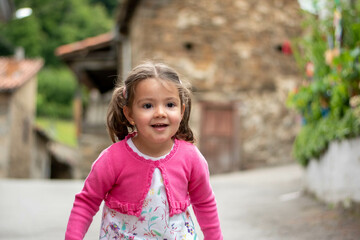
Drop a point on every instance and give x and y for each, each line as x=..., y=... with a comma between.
x=156, y=112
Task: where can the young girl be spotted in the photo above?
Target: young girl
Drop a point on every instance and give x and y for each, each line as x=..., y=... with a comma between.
x=150, y=176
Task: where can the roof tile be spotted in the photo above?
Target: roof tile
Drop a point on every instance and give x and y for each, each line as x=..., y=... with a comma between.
x=84, y=44
x=14, y=73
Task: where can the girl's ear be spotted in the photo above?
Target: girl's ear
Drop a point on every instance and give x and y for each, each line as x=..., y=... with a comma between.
x=182, y=110
x=127, y=113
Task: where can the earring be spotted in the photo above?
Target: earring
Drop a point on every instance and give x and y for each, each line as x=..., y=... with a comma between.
x=132, y=123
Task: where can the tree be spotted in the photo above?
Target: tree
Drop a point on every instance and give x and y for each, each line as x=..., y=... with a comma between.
x=25, y=33
x=53, y=23
x=110, y=5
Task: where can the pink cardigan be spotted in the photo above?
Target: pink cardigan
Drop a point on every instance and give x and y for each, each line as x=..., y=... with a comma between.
x=122, y=179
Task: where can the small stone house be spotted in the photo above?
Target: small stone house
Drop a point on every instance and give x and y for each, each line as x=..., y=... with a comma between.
x=236, y=55
x=18, y=87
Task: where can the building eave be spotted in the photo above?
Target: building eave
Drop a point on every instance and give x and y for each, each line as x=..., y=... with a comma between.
x=125, y=13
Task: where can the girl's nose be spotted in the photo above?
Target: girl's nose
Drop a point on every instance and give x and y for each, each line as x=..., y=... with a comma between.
x=160, y=112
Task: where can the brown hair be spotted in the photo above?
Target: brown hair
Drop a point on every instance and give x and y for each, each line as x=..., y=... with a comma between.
x=117, y=124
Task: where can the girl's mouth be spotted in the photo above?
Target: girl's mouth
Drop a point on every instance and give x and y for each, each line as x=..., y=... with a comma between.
x=160, y=125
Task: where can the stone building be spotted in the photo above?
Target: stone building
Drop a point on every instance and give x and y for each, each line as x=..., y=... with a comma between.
x=230, y=51
x=18, y=84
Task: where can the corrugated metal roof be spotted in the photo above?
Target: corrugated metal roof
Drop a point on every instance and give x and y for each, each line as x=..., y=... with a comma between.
x=14, y=73
x=84, y=44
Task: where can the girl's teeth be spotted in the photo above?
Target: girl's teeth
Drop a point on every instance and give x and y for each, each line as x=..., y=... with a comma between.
x=159, y=125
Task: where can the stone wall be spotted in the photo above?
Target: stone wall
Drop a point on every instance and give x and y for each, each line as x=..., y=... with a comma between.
x=334, y=178
x=4, y=133
x=41, y=165
x=22, y=117
x=227, y=50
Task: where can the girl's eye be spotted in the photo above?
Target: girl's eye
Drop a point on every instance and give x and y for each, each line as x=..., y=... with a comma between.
x=170, y=105
x=147, y=105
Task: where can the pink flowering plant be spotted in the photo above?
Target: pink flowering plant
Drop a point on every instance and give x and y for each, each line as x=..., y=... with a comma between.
x=329, y=54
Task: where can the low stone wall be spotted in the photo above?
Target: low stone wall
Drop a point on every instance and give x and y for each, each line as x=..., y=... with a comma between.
x=335, y=177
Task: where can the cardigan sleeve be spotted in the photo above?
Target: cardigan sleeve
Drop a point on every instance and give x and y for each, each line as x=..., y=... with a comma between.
x=99, y=181
x=203, y=199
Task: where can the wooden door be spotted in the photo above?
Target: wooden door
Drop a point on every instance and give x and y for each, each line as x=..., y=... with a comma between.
x=219, y=137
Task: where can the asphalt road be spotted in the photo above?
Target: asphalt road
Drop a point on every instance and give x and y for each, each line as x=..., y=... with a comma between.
x=262, y=204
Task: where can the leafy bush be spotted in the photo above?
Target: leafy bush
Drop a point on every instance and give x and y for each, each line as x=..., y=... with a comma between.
x=56, y=89
x=315, y=137
x=323, y=100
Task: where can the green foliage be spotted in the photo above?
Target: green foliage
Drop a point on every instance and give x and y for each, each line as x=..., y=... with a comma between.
x=6, y=48
x=315, y=137
x=324, y=100
x=60, y=130
x=56, y=89
x=25, y=33
x=53, y=23
x=110, y=5
x=311, y=47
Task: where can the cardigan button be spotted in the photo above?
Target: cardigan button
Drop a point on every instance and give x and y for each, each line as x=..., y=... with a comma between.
x=157, y=163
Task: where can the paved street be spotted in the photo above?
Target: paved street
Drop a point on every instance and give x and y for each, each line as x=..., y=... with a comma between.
x=263, y=204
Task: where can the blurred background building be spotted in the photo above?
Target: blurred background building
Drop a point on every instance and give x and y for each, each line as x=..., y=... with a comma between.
x=236, y=55
x=18, y=84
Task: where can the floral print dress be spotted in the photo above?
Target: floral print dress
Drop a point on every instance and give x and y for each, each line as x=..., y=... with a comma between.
x=154, y=222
